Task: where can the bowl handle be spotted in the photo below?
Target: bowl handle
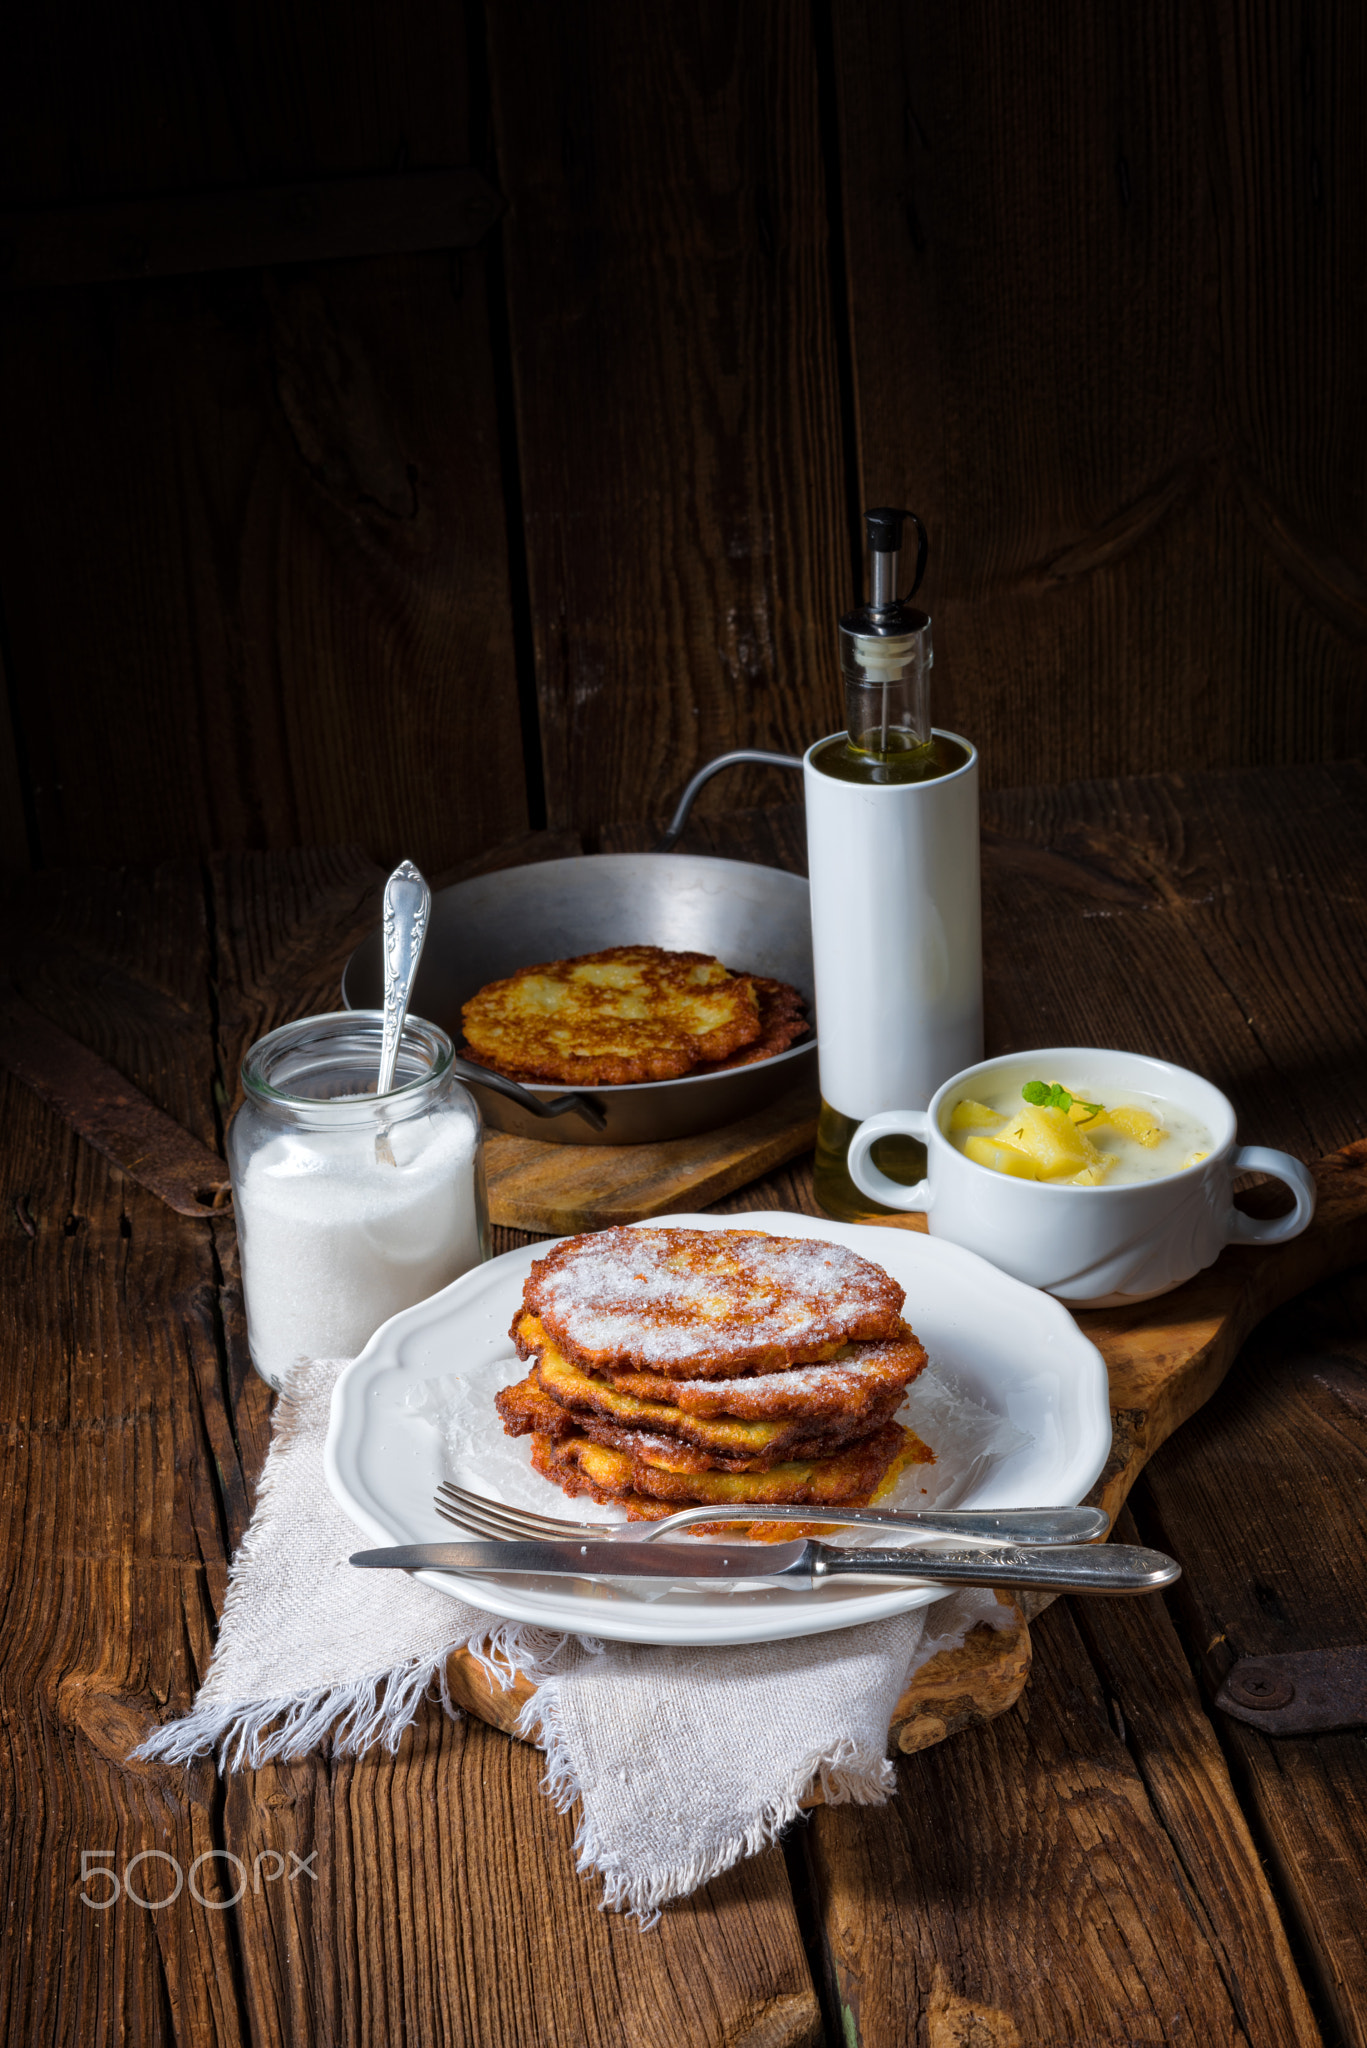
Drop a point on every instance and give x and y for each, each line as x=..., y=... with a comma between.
x=1274, y=1229
x=910, y=1123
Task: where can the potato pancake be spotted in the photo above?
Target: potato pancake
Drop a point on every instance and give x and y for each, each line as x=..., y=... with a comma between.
x=851, y=1478
x=848, y=1383
x=559, y=1400
x=628, y=1014
x=853, y=1389
x=705, y=1304
x=782, y=1019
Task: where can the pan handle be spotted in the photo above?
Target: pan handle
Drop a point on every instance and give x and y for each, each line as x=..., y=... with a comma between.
x=685, y=804
x=559, y=1105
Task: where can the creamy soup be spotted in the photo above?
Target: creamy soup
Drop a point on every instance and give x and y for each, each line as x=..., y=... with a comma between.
x=1063, y=1133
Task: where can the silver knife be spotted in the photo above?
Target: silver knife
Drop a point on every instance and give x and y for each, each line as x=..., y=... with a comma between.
x=1075, y=1568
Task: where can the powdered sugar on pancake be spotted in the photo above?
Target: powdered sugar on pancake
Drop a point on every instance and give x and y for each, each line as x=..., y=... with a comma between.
x=703, y=1304
x=836, y=1386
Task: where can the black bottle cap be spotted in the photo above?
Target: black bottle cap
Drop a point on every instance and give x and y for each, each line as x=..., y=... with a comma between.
x=885, y=529
x=889, y=612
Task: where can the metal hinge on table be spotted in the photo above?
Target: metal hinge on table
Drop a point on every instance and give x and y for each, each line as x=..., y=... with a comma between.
x=1303, y=1692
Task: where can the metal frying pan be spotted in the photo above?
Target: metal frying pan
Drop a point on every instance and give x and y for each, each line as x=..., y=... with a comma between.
x=753, y=918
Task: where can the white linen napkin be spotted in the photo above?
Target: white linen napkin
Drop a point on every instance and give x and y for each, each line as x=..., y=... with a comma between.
x=683, y=1760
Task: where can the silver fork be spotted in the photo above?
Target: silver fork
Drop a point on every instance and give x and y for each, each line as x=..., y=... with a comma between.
x=1030, y=1526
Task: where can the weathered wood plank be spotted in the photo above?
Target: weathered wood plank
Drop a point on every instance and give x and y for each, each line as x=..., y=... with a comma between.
x=181, y=237
x=103, y=1107
x=289, y=530
x=158, y=103
x=448, y=1910
x=14, y=847
x=284, y=925
x=667, y=265
x=1102, y=344
x=113, y=1529
x=561, y=1188
x=774, y=834
x=1156, y=1711
x=252, y=549
x=121, y=961
x=1288, y=1438
x=1218, y=920
x=1021, y=1888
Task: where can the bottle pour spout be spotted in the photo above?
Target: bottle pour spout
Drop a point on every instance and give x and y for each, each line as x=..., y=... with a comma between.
x=884, y=528
x=885, y=649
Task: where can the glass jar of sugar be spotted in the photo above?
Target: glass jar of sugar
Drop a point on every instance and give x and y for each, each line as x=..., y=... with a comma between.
x=350, y=1205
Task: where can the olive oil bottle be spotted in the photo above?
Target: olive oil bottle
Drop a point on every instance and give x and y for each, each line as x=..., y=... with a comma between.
x=892, y=839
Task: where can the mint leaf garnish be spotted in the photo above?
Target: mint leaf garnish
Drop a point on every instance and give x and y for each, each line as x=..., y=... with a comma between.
x=1045, y=1095
x=1053, y=1095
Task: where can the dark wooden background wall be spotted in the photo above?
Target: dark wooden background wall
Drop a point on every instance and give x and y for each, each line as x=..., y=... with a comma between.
x=422, y=421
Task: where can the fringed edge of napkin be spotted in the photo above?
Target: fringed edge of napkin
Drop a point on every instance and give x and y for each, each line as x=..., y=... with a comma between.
x=373, y=1709
x=376, y=1708
x=849, y=1774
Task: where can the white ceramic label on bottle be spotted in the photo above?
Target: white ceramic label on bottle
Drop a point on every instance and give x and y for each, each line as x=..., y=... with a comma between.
x=896, y=934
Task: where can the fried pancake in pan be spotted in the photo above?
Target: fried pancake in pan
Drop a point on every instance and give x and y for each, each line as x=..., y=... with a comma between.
x=850, y=1478
x=538, y=1403
x=782, y=1020
x=627, y=1014
x=705, y=1304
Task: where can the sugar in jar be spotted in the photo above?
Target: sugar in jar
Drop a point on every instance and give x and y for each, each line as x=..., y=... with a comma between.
x=350, y=1205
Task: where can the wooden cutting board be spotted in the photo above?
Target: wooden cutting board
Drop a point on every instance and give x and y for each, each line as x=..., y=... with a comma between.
x=1165, y=1358
x=556, y=1189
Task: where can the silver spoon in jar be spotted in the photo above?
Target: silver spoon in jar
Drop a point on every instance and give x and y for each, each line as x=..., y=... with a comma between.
x=407, y=906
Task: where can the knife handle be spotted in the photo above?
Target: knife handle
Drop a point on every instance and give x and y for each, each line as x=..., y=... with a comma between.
x=1073, y=1568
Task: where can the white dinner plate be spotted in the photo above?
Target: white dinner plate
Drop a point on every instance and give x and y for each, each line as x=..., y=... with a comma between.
x=1001, y=1345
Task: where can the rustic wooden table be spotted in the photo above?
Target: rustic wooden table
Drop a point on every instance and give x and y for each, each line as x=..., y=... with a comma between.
x=1111, y=1861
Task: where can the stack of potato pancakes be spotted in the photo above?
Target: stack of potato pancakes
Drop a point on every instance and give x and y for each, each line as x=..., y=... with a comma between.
x=675, y=1368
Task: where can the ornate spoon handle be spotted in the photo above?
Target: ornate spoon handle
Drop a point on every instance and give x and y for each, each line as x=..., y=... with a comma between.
x=407, y=904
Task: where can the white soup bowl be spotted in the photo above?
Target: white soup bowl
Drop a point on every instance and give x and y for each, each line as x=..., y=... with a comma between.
x=1093, y=1247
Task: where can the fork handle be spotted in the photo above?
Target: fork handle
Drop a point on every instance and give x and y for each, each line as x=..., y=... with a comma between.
x=990, y=1525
